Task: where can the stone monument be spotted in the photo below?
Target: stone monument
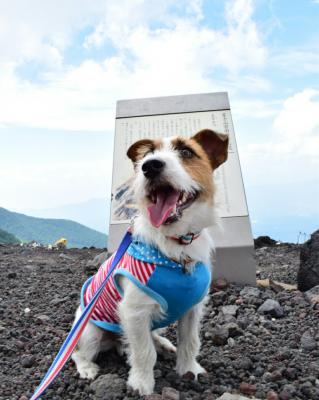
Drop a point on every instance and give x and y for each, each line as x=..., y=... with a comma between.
x=185, y=115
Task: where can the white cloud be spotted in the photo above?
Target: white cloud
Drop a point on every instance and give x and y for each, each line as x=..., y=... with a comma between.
x=298, y=124
x=178, y=58
x=295, y=128
x=50, y=184
x=297, y=61
x=290, y=153
x=31, y=29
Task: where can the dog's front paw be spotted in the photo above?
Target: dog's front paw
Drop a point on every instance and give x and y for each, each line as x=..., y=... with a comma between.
x=143, y=385
x=87, y=370
x=195, y=368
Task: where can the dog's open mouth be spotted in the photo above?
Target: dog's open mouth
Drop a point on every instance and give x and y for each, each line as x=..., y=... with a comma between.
x=167, y=204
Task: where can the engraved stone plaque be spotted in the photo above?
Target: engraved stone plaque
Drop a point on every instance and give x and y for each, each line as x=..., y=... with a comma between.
x=184, y=116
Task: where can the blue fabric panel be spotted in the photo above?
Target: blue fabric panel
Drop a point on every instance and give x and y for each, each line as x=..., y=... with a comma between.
x=181, y=290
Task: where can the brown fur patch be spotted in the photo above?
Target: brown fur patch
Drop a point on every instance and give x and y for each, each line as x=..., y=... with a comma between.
x=198, y=166
x=214, y=144
x=139, y=149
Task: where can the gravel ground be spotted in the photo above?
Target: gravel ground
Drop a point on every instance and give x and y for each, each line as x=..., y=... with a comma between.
x=271, y=354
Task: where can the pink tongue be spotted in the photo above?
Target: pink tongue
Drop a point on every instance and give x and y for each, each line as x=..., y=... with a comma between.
x=160, y=211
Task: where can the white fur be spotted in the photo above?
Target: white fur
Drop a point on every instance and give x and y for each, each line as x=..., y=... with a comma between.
x=136, y=309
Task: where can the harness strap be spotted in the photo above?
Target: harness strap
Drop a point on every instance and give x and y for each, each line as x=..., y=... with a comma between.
x=75, y=333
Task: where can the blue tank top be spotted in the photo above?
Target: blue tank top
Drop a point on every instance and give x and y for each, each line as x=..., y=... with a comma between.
x=176, y=290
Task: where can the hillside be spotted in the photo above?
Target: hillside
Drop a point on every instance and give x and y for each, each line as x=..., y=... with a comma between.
x=93, y=213
x=7, y=238
x=47, y=231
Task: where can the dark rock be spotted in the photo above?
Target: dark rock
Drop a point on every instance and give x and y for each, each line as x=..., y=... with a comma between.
x=169, y=393
x=271, y=395
x=57, y=300
x=247, y=388
x=218, y=298
x=312, y=295
x=264, y=241
x=287, y=393
x=6, y=350
x=42, y=318
x=233, y=329
x=230, y=310
x=65, y=257
x=308, y=341
x=219, y=335
x=272, y=308
x=250, y=291
x=28, y=361
x=189, y=376
x=172, y=377
x=99, y=259
x=308, y=274
x=12, y=275
x=275, y=376
x=244, y=363
x=110, y=385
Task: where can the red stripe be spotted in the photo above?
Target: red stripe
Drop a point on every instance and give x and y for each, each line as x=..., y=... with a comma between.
x=143, y=271
x=138, y=270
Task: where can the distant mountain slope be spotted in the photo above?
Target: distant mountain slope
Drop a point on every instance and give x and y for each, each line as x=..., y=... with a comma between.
x=93, y=213
x=47, y=231
x=6, y=237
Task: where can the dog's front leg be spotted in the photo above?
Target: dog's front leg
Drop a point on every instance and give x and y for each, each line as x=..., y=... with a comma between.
x=136, y=311
x=189, y=342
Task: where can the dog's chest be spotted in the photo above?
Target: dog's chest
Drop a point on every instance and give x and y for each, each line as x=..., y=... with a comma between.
x=176, y=288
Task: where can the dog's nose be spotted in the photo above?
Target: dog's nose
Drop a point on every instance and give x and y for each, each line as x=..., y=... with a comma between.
x=152, y=168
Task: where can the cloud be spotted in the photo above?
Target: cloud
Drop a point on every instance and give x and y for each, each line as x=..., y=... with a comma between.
x=295, y=128
x=298, y=124
x=297, y=61
x=176, y=56
x=31, y=30
x=47, y=185
x=289, y=154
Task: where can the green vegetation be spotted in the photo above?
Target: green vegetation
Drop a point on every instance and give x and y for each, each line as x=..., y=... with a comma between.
x=46, y=231
x=7, y=238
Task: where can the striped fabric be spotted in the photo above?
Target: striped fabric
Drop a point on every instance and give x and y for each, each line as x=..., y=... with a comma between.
x=106, y=306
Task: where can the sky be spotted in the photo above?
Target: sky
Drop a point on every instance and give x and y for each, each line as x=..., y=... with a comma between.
x=64, y=64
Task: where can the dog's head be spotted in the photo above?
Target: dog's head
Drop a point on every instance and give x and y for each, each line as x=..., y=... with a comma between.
x=174, y=186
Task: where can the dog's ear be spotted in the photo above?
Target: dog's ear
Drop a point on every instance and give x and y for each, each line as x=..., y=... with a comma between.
x=214, y=144
x=139, y=149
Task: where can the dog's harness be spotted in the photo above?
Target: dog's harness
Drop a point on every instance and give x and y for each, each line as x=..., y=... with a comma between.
x=158, y=276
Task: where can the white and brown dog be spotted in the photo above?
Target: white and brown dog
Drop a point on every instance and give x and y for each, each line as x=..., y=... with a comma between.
x=165, y=274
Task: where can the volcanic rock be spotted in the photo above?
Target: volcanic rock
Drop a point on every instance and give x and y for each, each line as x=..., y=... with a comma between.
x=271, y=307
x=312, y=295
x=169, y=393
x=110, y=385
x=264, y=241
x=254, y=348
x=308, y=274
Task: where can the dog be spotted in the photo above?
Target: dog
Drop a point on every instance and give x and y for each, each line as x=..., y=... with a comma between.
x=165, y=274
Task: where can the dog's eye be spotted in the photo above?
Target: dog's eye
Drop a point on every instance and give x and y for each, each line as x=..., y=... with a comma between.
x=186, y=153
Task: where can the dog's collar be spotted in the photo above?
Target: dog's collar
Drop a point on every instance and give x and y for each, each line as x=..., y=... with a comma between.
x=185, y=239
